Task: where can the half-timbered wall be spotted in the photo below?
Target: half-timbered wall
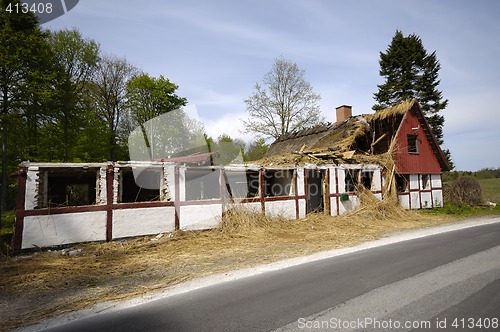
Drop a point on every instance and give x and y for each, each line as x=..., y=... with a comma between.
x=165, y=197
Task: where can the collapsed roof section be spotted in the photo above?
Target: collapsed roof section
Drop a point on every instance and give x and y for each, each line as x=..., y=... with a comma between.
x=357, y=139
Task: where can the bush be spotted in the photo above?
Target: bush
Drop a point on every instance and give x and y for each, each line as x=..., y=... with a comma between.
x=465, y=191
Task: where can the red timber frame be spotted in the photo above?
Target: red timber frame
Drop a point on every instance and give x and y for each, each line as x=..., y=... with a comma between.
x=110, y=206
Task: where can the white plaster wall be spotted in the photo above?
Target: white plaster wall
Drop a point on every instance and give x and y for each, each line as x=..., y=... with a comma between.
x=300, y=181
x=101, y=186
x=170, y=178
x=436, y=181
x=350, y=205
x=376, y=182
x=281, y=208
x=414, y=182
x=302, y=208
x=182, y=184
x=59, y=229
x=404, y=200
x=117, y=184
x=333, y=183
x=251, y=206
x=31, y=198
x=437, y=196
x=197, y=217
x=426, y=199
x=341, y=178
x=333, y=206
x=143, y=221
x=415, y=200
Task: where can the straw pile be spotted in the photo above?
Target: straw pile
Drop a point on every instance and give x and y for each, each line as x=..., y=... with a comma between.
x=44, y=284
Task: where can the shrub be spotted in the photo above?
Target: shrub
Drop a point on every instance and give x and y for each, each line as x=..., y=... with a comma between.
x=465, y=191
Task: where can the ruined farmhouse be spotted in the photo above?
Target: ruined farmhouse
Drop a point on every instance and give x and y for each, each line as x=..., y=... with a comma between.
x=318, y=169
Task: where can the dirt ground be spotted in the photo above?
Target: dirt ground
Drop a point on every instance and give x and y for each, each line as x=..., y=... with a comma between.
x=45, y=284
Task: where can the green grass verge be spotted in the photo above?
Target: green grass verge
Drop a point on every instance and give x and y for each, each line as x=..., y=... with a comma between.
x=491, y=190
x=7, y=230
x=463, y=211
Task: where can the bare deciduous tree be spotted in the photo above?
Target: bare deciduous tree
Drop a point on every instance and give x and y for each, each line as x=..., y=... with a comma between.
x=283, y=103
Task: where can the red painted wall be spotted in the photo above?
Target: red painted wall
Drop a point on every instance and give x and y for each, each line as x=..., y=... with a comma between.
x=425, y=162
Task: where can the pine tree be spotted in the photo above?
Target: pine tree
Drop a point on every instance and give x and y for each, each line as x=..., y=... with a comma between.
x=411, y=73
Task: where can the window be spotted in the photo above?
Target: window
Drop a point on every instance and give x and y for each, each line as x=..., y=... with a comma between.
x=351, y=180
x=402, y=183
x=144, y=188
x=67, y=187
x=426, y=182
x=367, y=179
x=412, y=144
x=202, y=183
x=278, y=183
x=242, y=184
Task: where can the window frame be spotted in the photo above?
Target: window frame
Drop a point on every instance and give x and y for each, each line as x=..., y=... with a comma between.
x=412, y=143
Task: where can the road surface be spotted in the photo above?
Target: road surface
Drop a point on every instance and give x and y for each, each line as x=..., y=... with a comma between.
x=441, y=282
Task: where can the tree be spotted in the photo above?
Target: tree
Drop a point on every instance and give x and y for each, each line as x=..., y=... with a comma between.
x=285, y=102
x=155, y=110
x=256, y=150
x=25, y=82
x=77, y=58
x=149, y=97
x=108, y=92
x=411, y=72
x=228, y=150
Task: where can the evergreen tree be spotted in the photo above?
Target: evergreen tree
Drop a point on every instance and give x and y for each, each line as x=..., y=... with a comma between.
x=411, y=73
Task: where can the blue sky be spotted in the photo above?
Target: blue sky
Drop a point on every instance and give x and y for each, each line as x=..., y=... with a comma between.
x=217, y=50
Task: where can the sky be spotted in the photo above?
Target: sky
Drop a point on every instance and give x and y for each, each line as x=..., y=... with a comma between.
x=216, y=51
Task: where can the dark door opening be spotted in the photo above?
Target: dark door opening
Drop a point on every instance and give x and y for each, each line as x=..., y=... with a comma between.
x=315, y=192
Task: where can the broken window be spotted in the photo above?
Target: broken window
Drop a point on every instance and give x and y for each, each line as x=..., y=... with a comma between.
x=367, y=179
x=402, y=183
x=351, y=180
x=426, y=181
x=202, y=183
x=67, y=187
x=278, y=183
x=242, y=184
x=144, y=188
x=412, y=144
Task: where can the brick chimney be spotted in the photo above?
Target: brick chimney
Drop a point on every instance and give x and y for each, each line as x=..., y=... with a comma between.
x=343, y=112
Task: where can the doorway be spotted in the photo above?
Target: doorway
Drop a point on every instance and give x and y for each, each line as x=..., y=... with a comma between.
x=315, y=190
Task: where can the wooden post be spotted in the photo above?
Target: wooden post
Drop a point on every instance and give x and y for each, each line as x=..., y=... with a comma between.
x=20, y=209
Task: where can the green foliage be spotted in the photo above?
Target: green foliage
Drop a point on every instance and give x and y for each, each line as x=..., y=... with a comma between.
x=463, y=211
x=25, y=80
x=491, y=189
x=77, y=59
x=256, y=150
x=8, y=219
x=411, y=72
x=149, y=97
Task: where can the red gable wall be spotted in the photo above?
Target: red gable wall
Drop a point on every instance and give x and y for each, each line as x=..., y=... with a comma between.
x=425, y=162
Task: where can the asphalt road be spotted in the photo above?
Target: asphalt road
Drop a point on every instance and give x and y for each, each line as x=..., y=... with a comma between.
x=450, y=277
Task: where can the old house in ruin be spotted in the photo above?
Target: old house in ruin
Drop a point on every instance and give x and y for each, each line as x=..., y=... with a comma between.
x=316, y=169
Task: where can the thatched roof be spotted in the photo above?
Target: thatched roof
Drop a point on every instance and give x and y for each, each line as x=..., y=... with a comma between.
x=362, y=136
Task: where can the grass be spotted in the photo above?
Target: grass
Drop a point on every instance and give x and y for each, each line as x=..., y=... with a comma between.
x=463, y=211
x=7, y=230
x=47, y=283
x=491, y=189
